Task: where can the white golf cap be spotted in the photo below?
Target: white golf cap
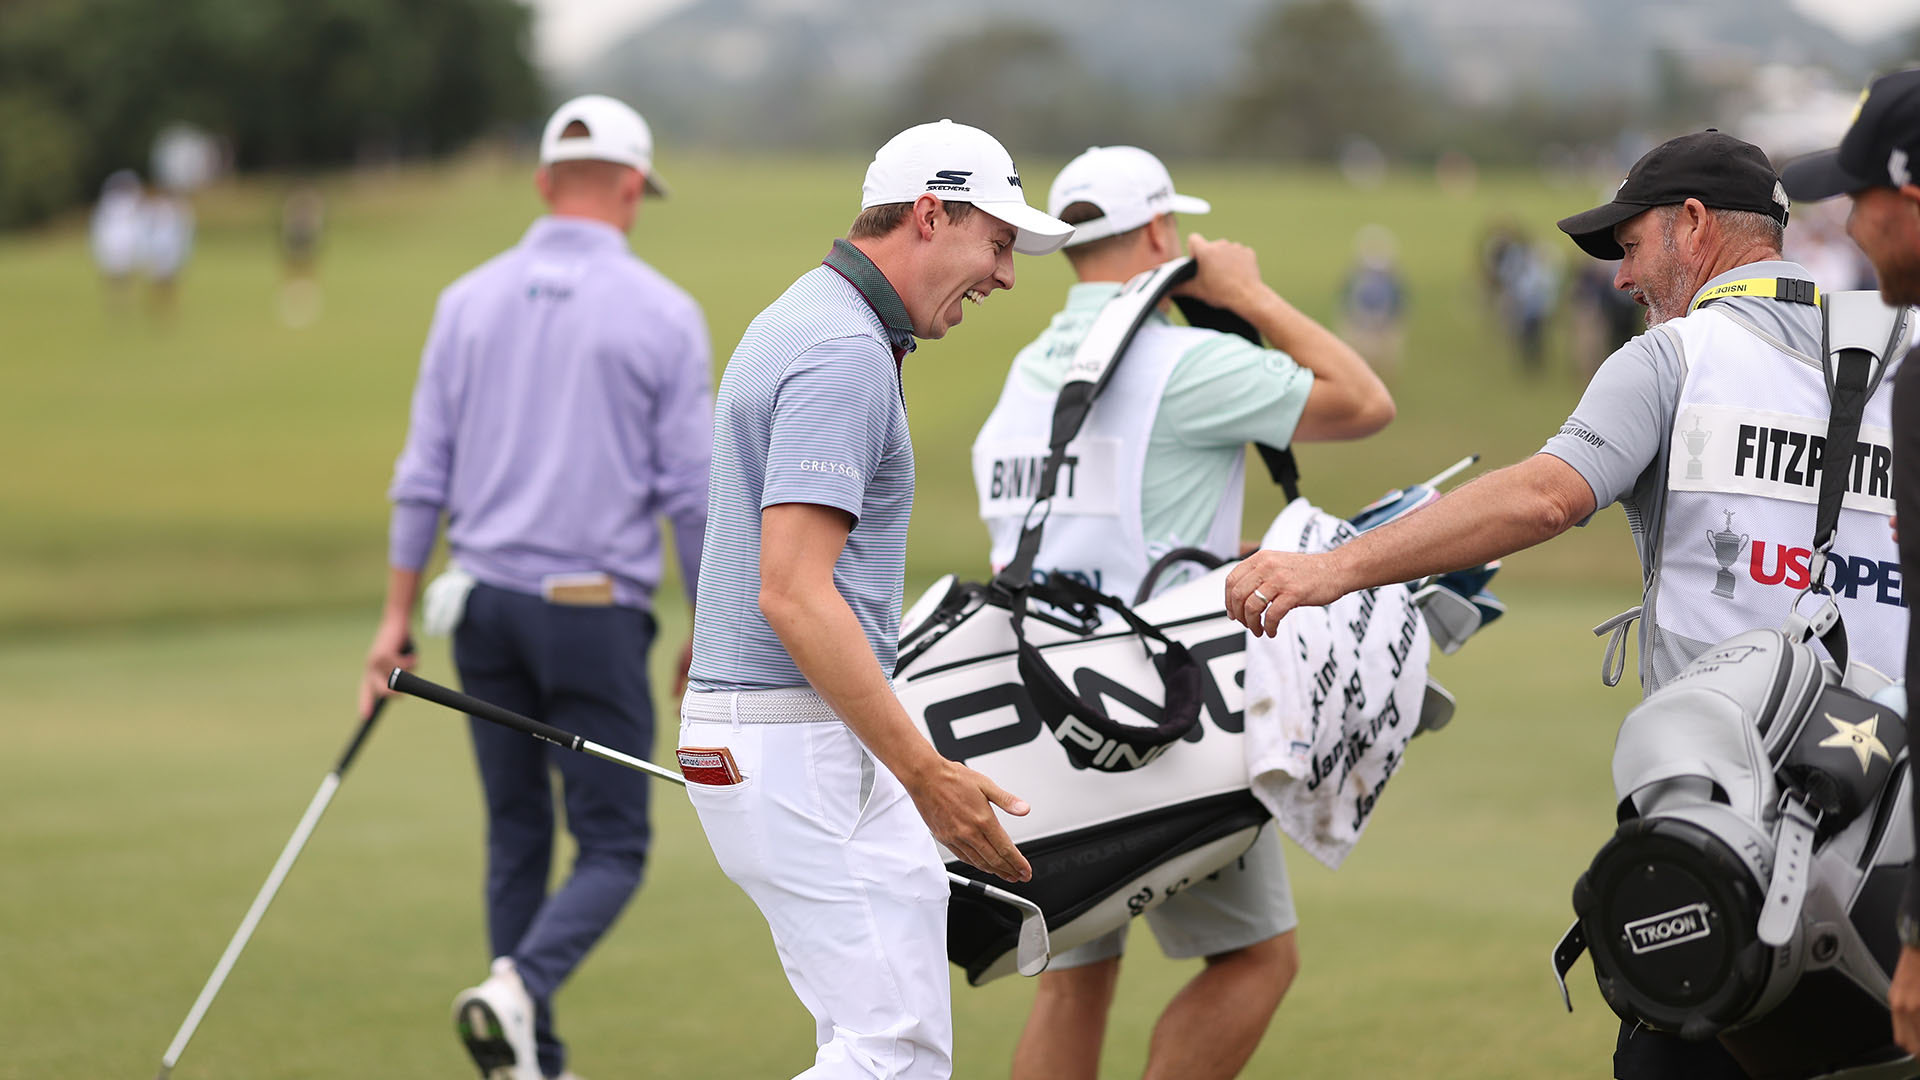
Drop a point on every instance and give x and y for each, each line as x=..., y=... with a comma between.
x=614, y=133
x=1129, y=185
x=958, y=163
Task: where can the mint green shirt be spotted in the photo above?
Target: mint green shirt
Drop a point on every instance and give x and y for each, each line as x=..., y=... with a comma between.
x=1220, y=396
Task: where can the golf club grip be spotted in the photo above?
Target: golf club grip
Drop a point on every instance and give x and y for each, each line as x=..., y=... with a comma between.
x=406, y=682
x=366, y=722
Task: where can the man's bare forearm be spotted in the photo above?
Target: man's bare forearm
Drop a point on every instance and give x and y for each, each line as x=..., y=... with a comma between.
x=829, y=647
x=1353, y=402
x=1494, y=516
x=1491, y=517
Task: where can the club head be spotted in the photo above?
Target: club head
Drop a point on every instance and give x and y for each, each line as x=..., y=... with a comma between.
x=1034, y=951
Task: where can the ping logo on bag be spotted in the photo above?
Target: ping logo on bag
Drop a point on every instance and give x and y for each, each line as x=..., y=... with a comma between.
x=1669, y=928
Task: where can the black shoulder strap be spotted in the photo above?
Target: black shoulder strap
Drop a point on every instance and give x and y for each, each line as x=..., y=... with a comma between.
x=1853, y=372
x=1088, y=373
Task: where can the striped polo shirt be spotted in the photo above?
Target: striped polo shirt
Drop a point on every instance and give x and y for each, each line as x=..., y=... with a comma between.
x=809, y=410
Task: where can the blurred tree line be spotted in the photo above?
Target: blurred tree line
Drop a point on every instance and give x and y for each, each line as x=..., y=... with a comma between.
x=1313, y=77
x=288, y=84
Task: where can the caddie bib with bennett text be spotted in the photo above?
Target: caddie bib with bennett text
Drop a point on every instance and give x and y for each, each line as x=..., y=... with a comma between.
x=1095, y=527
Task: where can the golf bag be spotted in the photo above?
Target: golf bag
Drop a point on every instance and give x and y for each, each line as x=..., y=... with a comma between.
x=1127, y=717
x=1169, y=801
x=1750, y=890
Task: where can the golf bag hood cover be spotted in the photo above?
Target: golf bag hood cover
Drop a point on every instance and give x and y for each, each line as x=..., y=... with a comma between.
x=1704, y=725
x=1748, y=891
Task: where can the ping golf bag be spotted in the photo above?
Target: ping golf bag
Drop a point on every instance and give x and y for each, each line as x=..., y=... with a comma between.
x=1126, y=717
x=1141, y=758
x=1750, y=890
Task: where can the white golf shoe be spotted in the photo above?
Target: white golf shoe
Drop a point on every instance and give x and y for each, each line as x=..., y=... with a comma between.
x=495, y=1021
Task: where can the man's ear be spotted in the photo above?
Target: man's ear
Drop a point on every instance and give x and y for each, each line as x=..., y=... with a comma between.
x=1695, y=214
x=543, y=183
x=1163, y=238
x=1911, y=192
x=1693, y=221
x=926, y=212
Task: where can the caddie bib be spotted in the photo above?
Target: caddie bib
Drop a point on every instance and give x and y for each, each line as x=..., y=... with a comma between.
x=1095, y=531
x=1743, y=481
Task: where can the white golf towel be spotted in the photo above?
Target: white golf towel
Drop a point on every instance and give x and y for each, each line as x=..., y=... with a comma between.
x=1332, y=699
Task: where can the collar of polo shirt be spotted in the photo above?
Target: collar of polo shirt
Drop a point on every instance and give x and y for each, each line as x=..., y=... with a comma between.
x=852, y=263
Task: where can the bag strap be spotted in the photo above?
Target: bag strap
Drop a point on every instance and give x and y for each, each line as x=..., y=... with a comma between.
x=1056, y=702
x=1853, y=372
x=1088, y=374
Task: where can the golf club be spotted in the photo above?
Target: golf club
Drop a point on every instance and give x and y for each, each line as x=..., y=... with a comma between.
x=1034, y=950
x=281, y=866
x=1451, y=471
x=1031, y=955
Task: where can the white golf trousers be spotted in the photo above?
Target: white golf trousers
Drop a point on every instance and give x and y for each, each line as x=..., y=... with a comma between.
x=830, y=847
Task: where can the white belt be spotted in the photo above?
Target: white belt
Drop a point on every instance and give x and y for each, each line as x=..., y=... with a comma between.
x=800, y=705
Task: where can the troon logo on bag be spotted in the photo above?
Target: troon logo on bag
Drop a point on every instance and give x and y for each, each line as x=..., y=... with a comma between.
x=1669, y=928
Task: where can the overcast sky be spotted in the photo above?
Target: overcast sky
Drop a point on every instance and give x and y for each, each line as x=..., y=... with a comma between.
x=567, y=32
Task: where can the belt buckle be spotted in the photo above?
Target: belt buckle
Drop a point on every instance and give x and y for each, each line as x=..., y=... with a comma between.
x=590, y=589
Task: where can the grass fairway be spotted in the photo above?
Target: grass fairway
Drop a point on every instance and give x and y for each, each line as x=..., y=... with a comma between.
x=151, y=778
x=220, y=463
x=192, y=532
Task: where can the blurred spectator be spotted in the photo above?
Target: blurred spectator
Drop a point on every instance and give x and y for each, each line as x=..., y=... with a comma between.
x=116, y=233
x=302, y=220
x=1522, y=285
x=1817, y=239
x=1603, y=317
x=1373, y=300
x=166, y=239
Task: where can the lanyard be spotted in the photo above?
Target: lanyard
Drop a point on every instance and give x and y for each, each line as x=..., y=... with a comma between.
x=1792, y=290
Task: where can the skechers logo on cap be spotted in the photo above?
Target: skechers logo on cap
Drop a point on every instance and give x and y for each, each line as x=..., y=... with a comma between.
x=950, y=180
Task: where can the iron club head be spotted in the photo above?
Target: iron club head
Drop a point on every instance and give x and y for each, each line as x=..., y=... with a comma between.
x=1034, y=949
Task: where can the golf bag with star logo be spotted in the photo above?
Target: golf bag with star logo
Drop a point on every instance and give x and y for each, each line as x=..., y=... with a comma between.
x=1750, y=891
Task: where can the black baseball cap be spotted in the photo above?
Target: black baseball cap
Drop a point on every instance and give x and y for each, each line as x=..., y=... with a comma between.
x=1879, y=150
x=1721, y=171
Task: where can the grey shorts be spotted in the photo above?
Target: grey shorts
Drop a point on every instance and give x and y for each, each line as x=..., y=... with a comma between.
x=1243, y=903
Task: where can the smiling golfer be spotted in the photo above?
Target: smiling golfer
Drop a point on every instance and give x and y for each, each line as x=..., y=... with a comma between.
x=820, y=798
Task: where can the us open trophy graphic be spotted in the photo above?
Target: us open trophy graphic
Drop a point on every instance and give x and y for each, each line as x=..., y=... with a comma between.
x=1696, y=441
x=1727, y=546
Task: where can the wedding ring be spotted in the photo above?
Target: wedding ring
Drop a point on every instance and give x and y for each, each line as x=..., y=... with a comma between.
x=1264, y=598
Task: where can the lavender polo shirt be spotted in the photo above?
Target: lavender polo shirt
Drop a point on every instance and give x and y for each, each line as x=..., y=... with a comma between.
x=563, y=405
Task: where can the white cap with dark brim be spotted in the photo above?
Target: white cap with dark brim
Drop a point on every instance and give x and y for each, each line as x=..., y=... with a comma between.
x=957, y=163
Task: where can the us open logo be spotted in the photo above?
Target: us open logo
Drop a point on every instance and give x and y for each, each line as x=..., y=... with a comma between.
x=1669, y=928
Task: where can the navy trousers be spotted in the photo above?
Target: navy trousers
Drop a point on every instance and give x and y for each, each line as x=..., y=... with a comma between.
x=584, y=670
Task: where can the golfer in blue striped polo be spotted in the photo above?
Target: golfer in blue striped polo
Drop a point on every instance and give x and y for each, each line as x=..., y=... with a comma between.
x=819, y=796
